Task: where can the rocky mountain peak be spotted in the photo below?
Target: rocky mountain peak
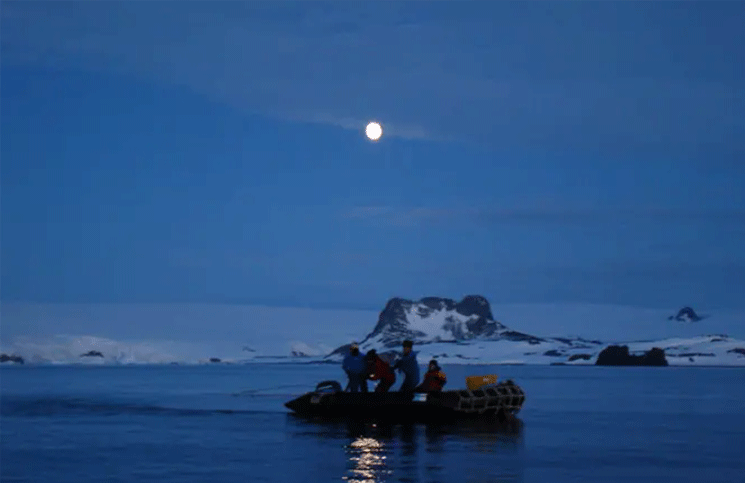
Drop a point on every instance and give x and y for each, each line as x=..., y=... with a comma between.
x=434, y=318
x=686, y=314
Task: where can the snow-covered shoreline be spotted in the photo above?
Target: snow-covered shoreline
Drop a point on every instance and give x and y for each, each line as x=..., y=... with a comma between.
x=543, y=334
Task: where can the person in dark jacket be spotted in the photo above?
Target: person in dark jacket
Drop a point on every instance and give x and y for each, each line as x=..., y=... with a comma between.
x=434, y=379
x=356, y=368
x=409, y=366
x=378, y=369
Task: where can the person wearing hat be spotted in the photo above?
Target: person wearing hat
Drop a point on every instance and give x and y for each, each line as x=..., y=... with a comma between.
x=409, y=366
x=434, y=379
x=378, y=369
x=356, y=368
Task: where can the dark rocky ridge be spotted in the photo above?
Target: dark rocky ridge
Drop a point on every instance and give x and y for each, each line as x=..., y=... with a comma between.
x=11, y=358
x=516, y=336
x=92, y=354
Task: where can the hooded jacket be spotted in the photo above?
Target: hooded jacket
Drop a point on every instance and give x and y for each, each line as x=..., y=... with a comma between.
x=410, y=367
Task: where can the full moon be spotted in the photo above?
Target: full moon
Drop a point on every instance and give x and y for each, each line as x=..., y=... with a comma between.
x=373, y=131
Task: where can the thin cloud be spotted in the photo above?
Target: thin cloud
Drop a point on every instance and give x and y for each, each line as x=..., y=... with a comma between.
x=511, y=79
x=416, y=216
x=358, y=124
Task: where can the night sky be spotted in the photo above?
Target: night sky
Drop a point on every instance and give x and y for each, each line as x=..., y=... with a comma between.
x=209, y=152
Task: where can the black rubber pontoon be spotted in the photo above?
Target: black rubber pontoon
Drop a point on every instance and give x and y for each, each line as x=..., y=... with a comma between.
x=497, y=402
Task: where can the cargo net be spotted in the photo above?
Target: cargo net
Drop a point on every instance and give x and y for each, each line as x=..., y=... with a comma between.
x=505, y=395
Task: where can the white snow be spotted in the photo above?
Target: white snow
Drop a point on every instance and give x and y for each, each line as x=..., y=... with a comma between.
x=156, y=334
x=164, y=333
x=432, y=325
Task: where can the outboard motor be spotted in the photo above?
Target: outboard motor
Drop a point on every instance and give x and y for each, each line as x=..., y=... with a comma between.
x=328, y=386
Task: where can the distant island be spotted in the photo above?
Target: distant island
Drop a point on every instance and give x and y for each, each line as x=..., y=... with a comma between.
x=467, y=332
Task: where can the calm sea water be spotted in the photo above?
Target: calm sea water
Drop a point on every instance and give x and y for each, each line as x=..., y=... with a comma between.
x=226, y=424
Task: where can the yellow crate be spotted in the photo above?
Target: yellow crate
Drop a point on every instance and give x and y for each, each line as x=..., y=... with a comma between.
x=476, y=382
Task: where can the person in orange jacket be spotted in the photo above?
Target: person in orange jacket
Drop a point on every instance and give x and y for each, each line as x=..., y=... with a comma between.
x=378, y=369
x=434, y=379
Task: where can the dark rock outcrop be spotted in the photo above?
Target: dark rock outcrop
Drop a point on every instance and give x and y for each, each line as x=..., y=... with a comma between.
x=515, y=336
x=686, y=314
x=92, y=354
x=215, y=360
x=577, y=357
x=553, y=353
x=564, y=340
x=474, y=305
x=619, y=356
x=737, y=350
x=11, y=358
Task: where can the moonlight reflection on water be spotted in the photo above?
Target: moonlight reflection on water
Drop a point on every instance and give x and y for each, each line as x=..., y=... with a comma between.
x=368, y=460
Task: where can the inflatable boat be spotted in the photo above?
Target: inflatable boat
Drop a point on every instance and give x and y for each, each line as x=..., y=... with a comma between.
x=496, y=402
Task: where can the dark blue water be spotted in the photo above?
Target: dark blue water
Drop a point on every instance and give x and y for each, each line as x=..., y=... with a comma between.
x=227, y=424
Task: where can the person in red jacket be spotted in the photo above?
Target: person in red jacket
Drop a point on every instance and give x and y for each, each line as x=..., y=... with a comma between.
x=378, y=369
x=434, y=379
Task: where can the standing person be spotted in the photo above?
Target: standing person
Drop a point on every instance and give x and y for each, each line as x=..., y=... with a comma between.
x=378, y=369
x=356, y=368
x=409, y=366
x=434, y=379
